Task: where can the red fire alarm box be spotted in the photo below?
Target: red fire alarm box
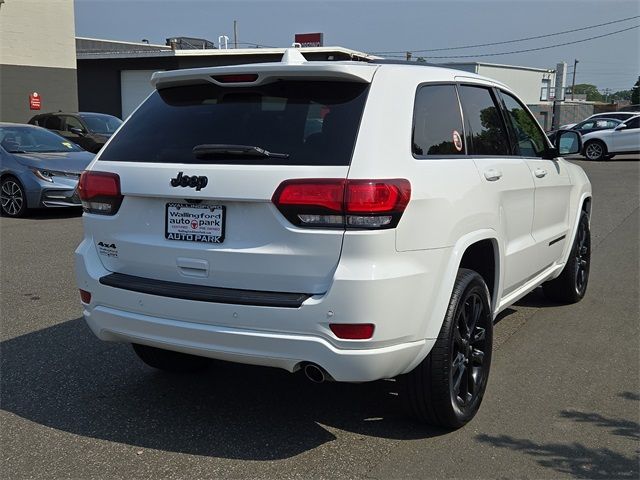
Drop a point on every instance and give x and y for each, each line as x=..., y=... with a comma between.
x=35, y=101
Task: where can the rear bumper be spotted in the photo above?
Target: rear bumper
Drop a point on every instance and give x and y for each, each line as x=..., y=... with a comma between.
x=398, y=304
x=285, y=351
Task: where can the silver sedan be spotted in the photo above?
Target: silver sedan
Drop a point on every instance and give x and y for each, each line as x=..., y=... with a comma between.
x=38, y=168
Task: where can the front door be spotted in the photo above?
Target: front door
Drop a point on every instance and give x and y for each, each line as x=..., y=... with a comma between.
x=506, y=180
x=550, y=225
x=627, y=139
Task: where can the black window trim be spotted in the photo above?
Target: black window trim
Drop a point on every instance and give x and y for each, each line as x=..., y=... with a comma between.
x=503, y=106
x=491, y=87
x=454, y=84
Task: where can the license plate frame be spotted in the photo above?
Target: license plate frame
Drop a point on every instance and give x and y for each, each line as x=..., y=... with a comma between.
x=185, y=230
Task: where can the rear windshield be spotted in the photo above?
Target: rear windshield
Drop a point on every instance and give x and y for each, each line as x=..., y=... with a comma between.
x=310, y=123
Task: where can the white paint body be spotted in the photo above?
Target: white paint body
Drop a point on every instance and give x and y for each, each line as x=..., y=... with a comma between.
x=618, y=140
x=398, y=279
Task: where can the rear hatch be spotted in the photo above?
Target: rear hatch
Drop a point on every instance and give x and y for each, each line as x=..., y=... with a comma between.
x=207, y=218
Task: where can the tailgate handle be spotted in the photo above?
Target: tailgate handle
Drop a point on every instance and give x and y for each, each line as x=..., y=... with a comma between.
x=193, y=267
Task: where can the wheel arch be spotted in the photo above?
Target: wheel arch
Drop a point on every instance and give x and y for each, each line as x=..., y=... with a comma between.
x=478, y=250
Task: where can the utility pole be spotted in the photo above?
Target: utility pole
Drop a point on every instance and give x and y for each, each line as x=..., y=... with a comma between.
x=235, y=34
x=573, y=82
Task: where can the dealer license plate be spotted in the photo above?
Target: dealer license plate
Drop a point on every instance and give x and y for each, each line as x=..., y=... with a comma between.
x=194, y=222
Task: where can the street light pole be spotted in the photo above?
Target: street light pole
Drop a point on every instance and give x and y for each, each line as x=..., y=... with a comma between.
x=573, y=82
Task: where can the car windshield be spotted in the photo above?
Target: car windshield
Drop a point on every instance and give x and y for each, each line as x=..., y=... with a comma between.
x=101, y=123
x=18, y=139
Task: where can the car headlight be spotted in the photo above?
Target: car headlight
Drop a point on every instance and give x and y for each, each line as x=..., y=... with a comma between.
x=43, y=174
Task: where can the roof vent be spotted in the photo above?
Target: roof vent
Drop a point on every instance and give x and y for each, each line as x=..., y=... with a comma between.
x=293, y=56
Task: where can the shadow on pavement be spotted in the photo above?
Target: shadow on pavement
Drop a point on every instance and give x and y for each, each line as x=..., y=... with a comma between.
x=576, y=459
x=64, y=378
x=49, y=213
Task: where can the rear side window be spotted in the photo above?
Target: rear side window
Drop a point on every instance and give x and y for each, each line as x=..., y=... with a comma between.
x=486, y=133
x=529, y=139
x=53, y=122
x=437, y=124
x=310, y=123
x=633, y=123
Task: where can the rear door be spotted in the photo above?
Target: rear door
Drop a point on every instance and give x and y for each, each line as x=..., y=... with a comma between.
x=551, y=222
x=208, y=219
x=506, y=179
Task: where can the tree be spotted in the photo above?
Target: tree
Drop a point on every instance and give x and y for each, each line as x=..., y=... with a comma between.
x=622, y=95
x=593, y=95
x=635, y=95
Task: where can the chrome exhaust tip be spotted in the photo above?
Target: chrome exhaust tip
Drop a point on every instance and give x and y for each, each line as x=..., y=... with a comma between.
x=315, y=373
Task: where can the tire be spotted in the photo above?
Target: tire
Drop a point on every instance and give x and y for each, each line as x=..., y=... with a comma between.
x=433, y=392
x=170, y=361
x=571, y=285
x=595, y=150
x=13, y=201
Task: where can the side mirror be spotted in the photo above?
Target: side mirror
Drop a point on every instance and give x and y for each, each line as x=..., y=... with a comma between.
x=568, y=142
x=77, y=131
x=622, y=126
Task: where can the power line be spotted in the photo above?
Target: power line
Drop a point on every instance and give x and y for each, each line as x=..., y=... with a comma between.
x=512, y=41
x=531, y=49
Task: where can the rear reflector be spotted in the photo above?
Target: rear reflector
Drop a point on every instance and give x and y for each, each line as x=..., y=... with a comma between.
x=352, y=331
x=240, y=78
x=100, y=192
x=368, y=204
x=85, y=296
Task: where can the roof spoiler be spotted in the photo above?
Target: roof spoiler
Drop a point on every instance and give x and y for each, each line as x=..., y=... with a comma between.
x=293, y=66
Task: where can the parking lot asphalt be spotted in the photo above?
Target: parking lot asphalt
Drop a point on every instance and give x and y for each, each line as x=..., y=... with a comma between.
x=563, y=397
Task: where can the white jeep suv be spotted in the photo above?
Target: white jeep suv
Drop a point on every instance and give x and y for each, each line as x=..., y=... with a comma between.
x=355, y=221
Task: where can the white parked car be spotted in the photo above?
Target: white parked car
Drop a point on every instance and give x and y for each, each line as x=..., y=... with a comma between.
x=604, y=144
x=221, y=221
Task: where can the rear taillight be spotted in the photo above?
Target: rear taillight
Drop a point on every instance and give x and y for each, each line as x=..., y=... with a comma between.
x=369, y=204
x=100, y=192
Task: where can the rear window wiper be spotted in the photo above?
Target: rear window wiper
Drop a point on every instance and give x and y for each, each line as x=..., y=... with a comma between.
x=207, y=150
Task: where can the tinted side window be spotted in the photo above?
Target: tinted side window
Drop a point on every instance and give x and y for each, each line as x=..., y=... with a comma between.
x=72, y=122
x=437, y=124
x=53, y=122
x=486, y=133
x=530, y=140
x=633, y=123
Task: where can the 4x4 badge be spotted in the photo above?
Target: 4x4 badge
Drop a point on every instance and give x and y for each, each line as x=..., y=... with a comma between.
x=189, y=181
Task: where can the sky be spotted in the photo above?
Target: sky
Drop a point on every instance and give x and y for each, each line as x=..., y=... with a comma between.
x=611, y=62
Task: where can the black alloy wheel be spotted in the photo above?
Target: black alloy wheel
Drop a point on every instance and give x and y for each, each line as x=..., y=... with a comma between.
x=447, y=387
x=468, y=370
x=12, y=198
x=571, y=285
x=582, y=254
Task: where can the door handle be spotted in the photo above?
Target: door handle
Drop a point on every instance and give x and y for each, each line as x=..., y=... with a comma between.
x=492, y=174
x=540, y=172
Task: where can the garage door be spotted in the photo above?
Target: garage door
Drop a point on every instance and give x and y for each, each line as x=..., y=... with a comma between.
x=135, y=87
